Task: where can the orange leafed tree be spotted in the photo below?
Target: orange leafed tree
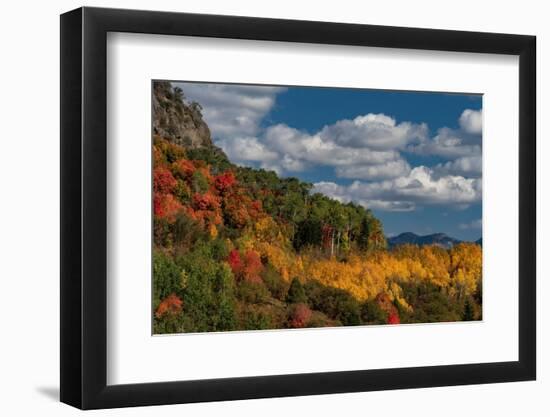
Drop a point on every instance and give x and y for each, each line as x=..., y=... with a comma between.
x=163, y=180
x=252, y=267
x=171, y=305
x=166, y=206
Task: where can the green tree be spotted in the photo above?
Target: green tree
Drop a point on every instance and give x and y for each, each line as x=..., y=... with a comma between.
x=166, y=277
x=209, y=295
x=308, y=232
x=364, y=234
x=200, y=183
x=296, y=293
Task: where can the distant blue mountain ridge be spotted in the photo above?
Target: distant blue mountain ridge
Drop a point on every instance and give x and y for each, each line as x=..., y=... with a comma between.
x=439, y=239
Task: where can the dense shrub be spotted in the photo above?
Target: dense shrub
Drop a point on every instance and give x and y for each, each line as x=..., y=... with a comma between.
x=186, y=231
x=252, y=292
x=429, y=303
x=256, y=320
x=335, y=303
x=371, y=313
x=299, y=315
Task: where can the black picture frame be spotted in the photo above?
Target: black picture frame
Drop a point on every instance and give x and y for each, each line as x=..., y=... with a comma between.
x=84, y=207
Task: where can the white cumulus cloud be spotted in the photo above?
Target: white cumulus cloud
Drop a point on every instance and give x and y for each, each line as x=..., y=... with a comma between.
x=232, y=111
x=247, y=149
x=420, y=186
x=466, y=165
x=391, y=169
x=449, y=143
x=317, y=150
x=455, y=143
x=471, y=121
x=374, y=131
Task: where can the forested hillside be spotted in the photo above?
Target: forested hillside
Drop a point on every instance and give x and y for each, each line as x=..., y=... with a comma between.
x=239, y=248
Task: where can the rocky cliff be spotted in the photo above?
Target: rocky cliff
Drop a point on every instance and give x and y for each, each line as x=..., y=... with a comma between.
x=176, y=120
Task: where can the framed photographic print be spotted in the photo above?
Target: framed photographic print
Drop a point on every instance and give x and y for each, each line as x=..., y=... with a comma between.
x=256, y=208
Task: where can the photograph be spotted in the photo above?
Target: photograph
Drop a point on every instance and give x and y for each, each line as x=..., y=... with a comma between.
x=245, y=208
x=292, y=207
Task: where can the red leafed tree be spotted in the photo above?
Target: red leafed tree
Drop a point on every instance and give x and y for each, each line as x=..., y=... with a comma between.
x=163, y=180
x=393, y=318
x=252, y=267
x=235, y=262
x=300, y=316
x=171, y=305
x=235, y=208
x=225, y=181
x=247, y=267
x=255, y=209
x=385, y=303
x=166, y=206
x=206, y=202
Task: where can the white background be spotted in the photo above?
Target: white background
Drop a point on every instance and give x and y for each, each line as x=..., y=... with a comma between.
x=29, y=225
x=130, y=70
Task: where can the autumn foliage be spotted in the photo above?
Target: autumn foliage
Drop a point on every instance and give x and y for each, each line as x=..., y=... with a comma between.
x=300, y=316
x=235, y=262
x=225, y=181
x=163, y=180
x=247, y=267
x=171, y=305
x=246, y=249
x=393, y=318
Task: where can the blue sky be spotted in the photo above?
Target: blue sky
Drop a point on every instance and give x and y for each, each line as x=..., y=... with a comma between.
x=414, y=158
